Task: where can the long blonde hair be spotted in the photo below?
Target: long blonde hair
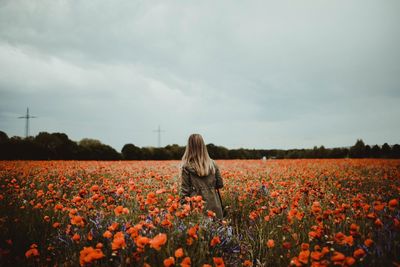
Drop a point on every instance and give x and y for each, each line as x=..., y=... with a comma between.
x=196, y=155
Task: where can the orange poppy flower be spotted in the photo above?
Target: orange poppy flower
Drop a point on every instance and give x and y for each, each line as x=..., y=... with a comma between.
x=211, y=214
x=151, y=198
x=303, y=256
x=316, y=207
x=349, y=240
x=77, y=220
x=107, y=234
x=325, y=250
x=169, y=262
x=32, y=252
x=295, y=262
x=141, y=241
x=94, y=188
x=120, y=190
x=350, y=261
x=158, y=241
x=274, y=194
x=378, y=223
x=192, y=232
x=118, y=241
x=316, y=255
x=368, y=242
x=76, y=237
x=305, y=246
x=270, y=243
x=58, y=206
x=179, y=253
x=396, y=223
x=338, y=257
x=393, y=204
x=359, y=253
x=161, y=191
x=378, y=206
x=113, y=226
x=219, y=262
x=90, y=236
x=354, y=228
x=89, y=254
x=120, y=210
x=186, y=262
x=215, y=241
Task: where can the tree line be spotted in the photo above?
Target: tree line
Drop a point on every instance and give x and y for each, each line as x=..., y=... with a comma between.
x=57, y=146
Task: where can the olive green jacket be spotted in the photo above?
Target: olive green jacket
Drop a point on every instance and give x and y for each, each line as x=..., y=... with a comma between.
x=205, y=186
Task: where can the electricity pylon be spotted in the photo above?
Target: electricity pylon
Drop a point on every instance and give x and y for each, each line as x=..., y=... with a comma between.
x=27, y=117
x=159, y=131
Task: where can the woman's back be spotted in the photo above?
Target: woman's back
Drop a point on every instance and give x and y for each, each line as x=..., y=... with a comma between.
x=200, y=175
x=205, y=186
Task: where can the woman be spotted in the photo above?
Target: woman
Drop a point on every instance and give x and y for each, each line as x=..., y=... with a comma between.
x=200, y=175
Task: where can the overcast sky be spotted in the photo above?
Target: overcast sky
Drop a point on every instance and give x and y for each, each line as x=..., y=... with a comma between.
x=254, y=74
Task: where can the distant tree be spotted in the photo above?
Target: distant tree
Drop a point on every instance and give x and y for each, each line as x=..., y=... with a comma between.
x=59, y=146
x=161, y=154
x=337, y=153
x=302, y=153
x=20, y=148
x=88, y=142
x=93, y=149
x=3, y=137
x=50, y=143
x=147, y=153
x=4, y=145
x=386, y=151
x=56, y=146
x=212, y=150
x=322, y=152
x=367, y=151
x=280, y=154
x=273, y=153
x=347, y=152
x=217, y=152
x=313, y=153
x=175, y=151
x=242, y=154
x=396, y=151
x=131, y=152
x=358, y=150
x=292, y=154
x=259, y=153
x=375, y=151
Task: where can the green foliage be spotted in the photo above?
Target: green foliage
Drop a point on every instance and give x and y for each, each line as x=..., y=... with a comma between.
x=55, y=146
x=59, y=146
x=358, y=150
x=3, y=137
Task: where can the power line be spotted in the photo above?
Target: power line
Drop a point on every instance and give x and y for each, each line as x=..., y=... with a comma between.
x=159, y=131
x=27, y=117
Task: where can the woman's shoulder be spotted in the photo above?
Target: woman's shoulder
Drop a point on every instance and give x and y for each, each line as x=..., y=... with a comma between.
x=187, y=167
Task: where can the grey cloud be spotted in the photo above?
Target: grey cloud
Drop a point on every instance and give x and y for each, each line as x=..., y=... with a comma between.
x=255, y=74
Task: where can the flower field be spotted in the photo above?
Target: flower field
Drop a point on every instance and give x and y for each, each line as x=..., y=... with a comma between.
x=128, y=213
